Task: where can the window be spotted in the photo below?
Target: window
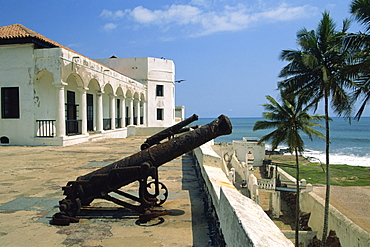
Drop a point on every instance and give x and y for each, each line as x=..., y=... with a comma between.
x=160, y=114
x=10, y=102
x=159, y=90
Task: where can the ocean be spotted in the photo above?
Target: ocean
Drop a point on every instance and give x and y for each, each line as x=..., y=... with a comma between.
x=350, y=143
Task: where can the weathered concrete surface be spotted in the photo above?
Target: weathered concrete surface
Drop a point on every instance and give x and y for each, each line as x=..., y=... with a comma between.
x=30, y=188
x=353, y=202
x=349, y=233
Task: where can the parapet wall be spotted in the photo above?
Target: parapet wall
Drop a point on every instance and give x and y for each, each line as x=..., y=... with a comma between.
x=242, y=221
x=349, y=233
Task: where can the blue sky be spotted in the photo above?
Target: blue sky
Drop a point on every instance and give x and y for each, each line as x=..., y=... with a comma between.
x=226, y=50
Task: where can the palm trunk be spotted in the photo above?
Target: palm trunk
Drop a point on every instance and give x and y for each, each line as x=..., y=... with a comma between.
x=327, y=195
x=297, y=208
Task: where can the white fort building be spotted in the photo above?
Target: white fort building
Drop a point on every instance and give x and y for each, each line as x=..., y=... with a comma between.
x=52, y=95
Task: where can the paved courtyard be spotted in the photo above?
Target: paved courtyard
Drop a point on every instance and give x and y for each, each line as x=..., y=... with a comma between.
x=30, y=188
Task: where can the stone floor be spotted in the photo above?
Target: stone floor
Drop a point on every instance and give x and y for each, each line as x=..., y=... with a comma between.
x=30, y=188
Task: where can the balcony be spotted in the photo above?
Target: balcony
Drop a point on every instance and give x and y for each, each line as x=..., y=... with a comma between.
x=73, y=127
x=45, y=128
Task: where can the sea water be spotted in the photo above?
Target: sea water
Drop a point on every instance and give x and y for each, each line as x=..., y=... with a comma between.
x=350, y=142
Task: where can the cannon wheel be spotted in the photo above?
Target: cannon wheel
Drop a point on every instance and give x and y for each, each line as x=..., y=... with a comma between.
x=163, y=191
x=70, y=206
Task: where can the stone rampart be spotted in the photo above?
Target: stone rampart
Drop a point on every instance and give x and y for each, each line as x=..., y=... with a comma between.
x=349, y=234
x=242, y=221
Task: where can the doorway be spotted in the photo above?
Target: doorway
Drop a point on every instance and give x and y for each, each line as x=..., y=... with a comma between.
x=90, y=111
x=72, y=125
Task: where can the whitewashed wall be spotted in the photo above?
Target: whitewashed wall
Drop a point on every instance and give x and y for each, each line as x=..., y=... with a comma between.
x=151, y=71
x=243, y=147
x=16, y=70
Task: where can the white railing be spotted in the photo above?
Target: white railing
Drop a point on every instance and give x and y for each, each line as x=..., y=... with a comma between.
x=266, y=184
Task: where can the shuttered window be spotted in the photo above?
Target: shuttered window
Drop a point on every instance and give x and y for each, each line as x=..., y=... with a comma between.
x=159, y=90
x=10, y=102
x=160, y=115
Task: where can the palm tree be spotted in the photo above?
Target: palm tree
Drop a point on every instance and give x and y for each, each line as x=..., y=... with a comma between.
x=315, y=71
x=360, y=44
x=290, y=118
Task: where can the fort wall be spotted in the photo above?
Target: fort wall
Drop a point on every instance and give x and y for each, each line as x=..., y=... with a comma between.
x=242, y=221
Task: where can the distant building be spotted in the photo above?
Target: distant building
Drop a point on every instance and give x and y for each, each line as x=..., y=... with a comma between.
x=52, y=95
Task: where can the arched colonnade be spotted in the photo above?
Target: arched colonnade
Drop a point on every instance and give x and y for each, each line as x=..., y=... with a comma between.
x=81, y=105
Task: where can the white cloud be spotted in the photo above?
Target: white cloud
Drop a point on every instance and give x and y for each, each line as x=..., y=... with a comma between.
x=107, y=14
x=109, y=26
x=202, y=17
x=143, y=15
x=285, y=13
x=204, y=3
x=181, y=14
x=230, y=19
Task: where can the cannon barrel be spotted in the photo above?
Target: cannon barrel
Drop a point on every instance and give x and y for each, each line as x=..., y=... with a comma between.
x=167, y=133
x=167, y=151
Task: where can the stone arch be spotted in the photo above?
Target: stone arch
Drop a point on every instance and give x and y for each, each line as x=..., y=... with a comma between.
x=128, y=105
x=128, y=94
x=142, y=97
x=120, y=108
x=44, y=74
x=108, y=88
x=74, y=78
x=136, y=95
x=44, y=96
x=107, y=95
x=119, y=92
x=93, y=88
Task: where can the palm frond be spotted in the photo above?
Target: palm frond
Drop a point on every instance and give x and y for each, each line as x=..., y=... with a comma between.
x=361, y=11
x=287, y=119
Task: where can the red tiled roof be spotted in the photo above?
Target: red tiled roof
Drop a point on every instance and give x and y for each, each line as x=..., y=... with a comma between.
x=18, y=31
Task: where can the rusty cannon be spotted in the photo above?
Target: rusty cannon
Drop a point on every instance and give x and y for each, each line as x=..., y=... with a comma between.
x=141, y=167
x=170, y=132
